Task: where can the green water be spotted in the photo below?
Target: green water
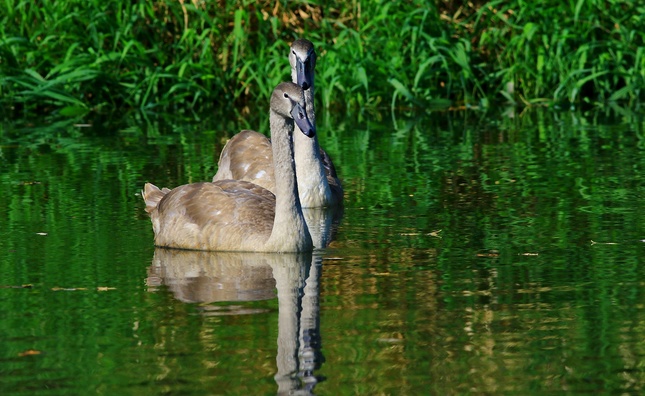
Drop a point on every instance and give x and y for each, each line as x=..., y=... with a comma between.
x=476, y=253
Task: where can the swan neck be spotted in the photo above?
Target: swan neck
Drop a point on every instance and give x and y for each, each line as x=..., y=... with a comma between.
x=309, y=102
x=289, y=226
x=312, y=179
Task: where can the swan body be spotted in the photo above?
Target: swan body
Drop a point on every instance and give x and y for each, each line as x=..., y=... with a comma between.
x=237, y=215
x=248, y=155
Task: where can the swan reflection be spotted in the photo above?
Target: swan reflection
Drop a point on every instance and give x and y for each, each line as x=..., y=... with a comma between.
x=204, y=277
x=323, y=224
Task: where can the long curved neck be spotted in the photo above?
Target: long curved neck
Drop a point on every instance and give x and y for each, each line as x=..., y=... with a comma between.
x=312, y=180
x=290, y=231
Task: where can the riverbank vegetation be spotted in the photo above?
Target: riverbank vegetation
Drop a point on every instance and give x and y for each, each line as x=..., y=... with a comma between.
x=75, y=56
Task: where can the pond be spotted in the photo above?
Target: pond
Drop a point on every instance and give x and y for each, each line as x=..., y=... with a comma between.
x=483, y=253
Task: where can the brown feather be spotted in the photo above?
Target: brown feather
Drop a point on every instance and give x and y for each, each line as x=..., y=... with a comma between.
x=248, y=155
x=236, y=215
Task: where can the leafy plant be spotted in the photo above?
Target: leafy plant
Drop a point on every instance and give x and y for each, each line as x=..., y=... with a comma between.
x=74, y=57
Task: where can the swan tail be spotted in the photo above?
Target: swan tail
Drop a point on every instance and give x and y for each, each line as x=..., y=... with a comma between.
x=152, y=195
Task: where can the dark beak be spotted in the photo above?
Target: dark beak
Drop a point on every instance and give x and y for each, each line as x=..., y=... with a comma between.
x=304, y=79
x=300, y=117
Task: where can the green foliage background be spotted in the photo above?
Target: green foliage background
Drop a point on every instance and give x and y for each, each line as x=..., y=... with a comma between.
x=76, y=56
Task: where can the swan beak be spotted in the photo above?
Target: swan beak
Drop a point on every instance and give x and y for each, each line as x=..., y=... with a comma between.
x=300, y=117
x=303, y=78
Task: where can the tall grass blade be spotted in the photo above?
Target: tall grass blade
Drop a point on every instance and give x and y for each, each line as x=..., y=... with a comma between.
x=179, y=55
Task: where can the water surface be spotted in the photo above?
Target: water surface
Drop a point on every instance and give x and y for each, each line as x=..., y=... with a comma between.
x=476, y=253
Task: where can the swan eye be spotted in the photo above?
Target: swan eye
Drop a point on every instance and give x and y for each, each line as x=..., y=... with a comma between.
x=286, y=95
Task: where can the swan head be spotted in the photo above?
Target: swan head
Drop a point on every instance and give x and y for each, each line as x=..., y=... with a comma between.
x=303, y=62
x=288, y=100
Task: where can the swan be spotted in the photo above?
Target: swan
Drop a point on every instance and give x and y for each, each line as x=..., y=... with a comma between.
x=248, y=155
x=236, y=215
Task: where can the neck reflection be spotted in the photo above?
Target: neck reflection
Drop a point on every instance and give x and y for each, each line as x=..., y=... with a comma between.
x=206, y=277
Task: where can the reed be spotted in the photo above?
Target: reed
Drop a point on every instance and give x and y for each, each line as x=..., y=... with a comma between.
x=75, y=57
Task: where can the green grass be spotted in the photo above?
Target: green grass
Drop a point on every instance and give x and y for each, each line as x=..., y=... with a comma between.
x=74, y=57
